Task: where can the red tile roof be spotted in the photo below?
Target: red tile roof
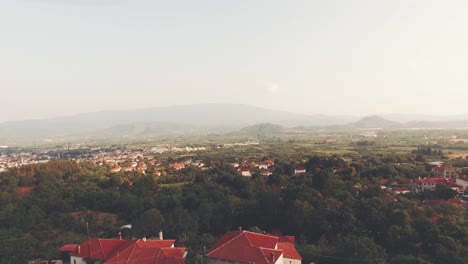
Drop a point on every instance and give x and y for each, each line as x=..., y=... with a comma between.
x=171, y=256
x=383, y=181
x=68, y=247
x=114, y=251
x=97, y=248
x=435, y=180
x=249, y=247
x=260, y=240
x=289, y=251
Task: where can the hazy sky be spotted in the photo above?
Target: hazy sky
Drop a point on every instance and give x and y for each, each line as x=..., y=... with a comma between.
x=60, y=57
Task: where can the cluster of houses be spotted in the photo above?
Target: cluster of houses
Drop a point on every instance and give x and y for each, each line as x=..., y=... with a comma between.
x=441, y=175
x=13, y=160
x=137, y=164
x=235, y=247
x=97, y=155
x=158, y=168
x=247, y=167
x=164, y=149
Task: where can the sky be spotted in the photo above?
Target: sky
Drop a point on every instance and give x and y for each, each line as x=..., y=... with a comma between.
x=334, y=57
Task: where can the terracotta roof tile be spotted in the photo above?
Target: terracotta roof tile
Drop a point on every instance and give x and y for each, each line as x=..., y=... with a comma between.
x=289, y=251
x=249, y=247
x=114, y=251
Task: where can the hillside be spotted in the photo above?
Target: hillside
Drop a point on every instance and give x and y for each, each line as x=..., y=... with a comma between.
x=375, y=122
x=200, y=119
x=265, y=129
x=183, y=119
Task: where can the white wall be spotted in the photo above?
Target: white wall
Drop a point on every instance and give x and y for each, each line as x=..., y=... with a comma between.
x=291, y=261
x=76, y=260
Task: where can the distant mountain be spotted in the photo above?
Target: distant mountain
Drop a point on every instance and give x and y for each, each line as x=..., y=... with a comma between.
x=264, y=129
x=375, y=122
x=461, y=124
x=405, y=118
x=202, y=119
x=383, y=123
x=171, y=119
x=147, y=129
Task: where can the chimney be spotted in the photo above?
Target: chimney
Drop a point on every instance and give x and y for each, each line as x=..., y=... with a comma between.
x=144, y=239
x=161, y=235
x=240, y=228
x=120, y=235
x=79, y=250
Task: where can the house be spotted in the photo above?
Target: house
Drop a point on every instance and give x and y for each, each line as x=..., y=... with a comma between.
x=116, y=168
x=177, y=165
x=142, y=167
x=383, y=181
x=265, y=172
x=135, y=251
x=299, y=170
x=400, y=190
x=444, y=172
x=431, y=183
x=248, y=247
x=246, y=172
x=262, y=166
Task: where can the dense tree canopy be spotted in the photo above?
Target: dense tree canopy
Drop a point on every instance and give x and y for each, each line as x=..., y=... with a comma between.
x=337, y=217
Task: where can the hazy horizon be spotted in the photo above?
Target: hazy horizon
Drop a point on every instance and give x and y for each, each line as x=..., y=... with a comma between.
x=354, y=58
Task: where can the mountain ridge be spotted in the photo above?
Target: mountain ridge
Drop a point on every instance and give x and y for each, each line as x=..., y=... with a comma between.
x=202, y=119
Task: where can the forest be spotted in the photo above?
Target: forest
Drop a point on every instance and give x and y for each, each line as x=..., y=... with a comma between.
x=337, y=216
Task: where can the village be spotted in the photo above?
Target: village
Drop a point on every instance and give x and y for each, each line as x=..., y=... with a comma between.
x=171, y=167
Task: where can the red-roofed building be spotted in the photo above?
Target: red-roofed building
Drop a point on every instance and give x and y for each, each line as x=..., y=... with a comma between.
x=177, y=165
x=246, y=172
x=383, y=181
x=299, y=170
x=116, y=168
x=431, y=183
x=68, y=247
x=444, y=172
x=400, y=190
x=248, y=247
x=290, y=254
x=135, y=251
